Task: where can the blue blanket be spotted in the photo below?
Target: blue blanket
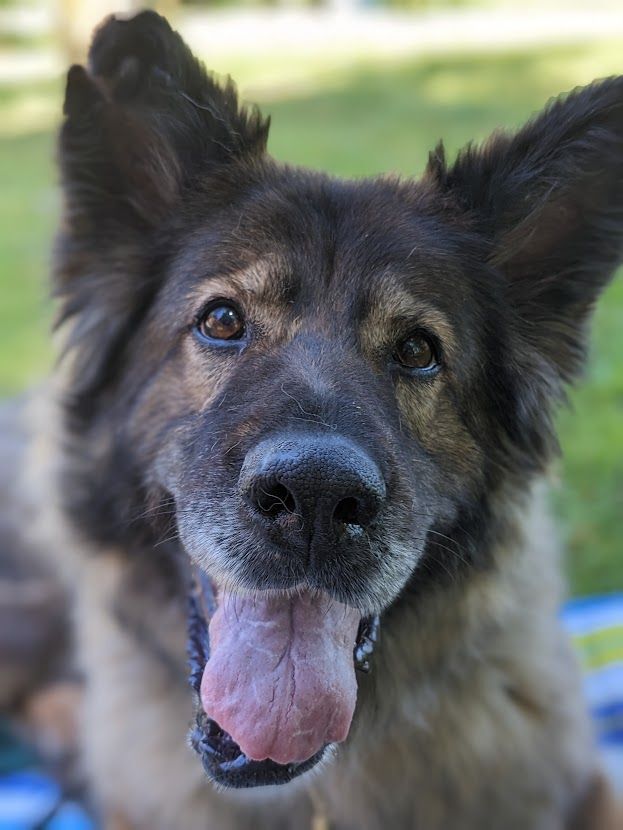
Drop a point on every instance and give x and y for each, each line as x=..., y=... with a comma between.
x=596, y=626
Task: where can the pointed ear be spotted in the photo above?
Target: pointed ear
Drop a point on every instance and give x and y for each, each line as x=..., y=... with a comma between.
x=142, y=121
x=550, y=201
x=144, y=125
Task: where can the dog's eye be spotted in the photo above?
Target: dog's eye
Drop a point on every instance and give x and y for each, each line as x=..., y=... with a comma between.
x=221, y=321
x=416, y=352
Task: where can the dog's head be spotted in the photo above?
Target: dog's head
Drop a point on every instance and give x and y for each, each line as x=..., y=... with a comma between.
x=324, y=383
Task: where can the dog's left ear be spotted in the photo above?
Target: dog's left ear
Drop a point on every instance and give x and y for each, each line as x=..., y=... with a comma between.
x=549, y=199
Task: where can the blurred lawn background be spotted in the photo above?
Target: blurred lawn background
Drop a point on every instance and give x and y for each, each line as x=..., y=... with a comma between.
x=372, y=90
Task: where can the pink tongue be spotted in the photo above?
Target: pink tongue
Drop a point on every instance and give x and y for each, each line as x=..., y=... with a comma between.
x=281, y=678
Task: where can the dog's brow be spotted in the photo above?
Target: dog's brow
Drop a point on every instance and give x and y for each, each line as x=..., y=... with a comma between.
x=387, y=305
x=266, y=280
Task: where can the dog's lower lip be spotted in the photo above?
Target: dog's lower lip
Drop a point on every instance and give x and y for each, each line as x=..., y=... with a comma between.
x=228, y=766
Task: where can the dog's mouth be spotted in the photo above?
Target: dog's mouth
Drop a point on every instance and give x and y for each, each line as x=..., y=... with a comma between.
x=275, y=677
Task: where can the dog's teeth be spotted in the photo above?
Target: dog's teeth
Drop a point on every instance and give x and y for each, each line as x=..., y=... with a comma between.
x=368, y=636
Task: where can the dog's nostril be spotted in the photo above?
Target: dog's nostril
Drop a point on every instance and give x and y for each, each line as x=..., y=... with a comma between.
x=347, y=511
x=271, y=501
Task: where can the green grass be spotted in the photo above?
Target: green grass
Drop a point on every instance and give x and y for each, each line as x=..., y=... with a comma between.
x=356, y=118
x=28, y=213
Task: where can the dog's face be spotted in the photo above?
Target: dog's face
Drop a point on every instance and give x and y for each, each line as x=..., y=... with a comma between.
x=324, y=384
x=309, y=409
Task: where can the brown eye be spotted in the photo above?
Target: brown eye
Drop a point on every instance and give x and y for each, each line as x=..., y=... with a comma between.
x=416, y=352
x=221, y=322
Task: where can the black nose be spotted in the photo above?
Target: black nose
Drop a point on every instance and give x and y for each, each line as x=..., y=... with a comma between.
x=303, y=487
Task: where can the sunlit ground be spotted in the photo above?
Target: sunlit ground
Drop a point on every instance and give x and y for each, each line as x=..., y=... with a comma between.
x=355, y=117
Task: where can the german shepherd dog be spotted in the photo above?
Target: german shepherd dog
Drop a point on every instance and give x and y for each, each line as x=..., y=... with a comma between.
x=302, y=425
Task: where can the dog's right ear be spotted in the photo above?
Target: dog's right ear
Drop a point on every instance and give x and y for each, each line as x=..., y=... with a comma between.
x=142, y=121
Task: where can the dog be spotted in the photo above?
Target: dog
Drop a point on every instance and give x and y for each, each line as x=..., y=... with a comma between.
x=297, y=442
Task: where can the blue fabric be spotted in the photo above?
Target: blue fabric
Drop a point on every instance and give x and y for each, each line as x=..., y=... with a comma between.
x=27, y=799
x=596, y=627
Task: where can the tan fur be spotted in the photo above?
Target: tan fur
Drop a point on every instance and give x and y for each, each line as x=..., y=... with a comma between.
x=598, y=808
x=258, y=288
x=428, y=410
x=51, y=714
x=378, y=331
x=117, y=821
x=481, y=711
